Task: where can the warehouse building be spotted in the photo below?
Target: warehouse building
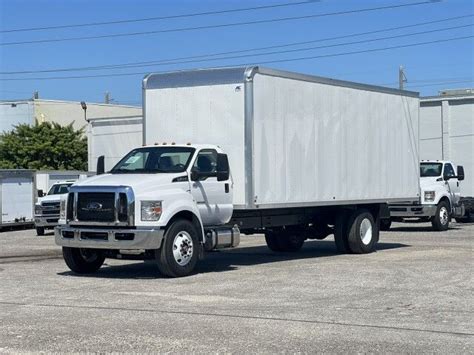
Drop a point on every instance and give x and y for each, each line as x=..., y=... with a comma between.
x=112, y=130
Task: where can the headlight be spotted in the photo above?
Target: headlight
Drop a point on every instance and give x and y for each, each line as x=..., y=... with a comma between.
x=151, y=210
x=429, y=196
x=38, y=209
x=62, y=209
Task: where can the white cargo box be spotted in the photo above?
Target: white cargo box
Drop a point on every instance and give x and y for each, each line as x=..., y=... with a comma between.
x=113, y=138
x=17, y=197
x=293, y=140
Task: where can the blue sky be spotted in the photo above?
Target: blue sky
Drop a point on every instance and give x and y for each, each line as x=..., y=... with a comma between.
x=429, y=68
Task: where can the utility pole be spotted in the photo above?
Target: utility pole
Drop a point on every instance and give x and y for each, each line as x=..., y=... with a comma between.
x=402, y=79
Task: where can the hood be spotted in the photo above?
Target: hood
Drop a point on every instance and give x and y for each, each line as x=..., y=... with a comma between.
x=138, y=182
x=50, y=198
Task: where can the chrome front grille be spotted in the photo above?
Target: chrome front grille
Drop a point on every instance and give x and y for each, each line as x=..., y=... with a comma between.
x=50, y=208
x=100, y=205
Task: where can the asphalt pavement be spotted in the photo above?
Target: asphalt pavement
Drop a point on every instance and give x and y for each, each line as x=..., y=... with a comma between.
x=414, y=295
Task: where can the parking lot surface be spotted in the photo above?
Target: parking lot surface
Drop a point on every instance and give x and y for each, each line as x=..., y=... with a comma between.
x=413, y=295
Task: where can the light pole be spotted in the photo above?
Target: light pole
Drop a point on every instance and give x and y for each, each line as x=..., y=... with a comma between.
x=84, y=107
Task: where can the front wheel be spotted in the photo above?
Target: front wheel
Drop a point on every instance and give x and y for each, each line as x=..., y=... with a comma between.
x=83, y=261
x=440, y=220
x=39, y=231
x=179, y=252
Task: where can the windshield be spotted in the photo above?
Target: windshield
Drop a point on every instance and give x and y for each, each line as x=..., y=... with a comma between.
x=59, y=189
x=155, y=160
x=430, y=169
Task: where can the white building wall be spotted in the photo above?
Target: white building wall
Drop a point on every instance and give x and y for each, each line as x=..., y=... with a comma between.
x=13, y=113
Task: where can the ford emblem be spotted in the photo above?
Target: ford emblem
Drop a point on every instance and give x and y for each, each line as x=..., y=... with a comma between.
x=94, y=206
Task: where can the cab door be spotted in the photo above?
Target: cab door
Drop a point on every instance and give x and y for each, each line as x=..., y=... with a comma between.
x=211, y=189
x=452, y=183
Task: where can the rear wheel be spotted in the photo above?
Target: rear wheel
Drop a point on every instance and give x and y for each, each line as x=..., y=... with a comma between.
x=340, y=233
x=287, y=240
x=180, y=250
x=385, y=224
x=39, y=231
x=362, y=233
x=440, y=220
x=83, y=261
x=271, y=238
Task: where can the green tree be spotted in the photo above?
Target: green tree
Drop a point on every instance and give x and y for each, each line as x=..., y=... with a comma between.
x=47, y=146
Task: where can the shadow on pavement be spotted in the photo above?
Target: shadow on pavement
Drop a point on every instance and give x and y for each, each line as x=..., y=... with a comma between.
x=414, y=228
x=227, y=260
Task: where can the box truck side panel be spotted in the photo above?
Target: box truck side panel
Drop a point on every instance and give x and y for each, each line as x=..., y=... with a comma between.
x=461, y=140
x=316, y=143
x=17, y=199
x=113, y=138
x=207, y=114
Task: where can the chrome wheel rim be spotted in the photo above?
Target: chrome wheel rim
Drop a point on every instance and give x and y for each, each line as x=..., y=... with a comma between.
x=183, y=248
x=366, y=231
x=443, y=215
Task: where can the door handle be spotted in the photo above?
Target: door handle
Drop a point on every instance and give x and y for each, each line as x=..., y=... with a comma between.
x=226, y=188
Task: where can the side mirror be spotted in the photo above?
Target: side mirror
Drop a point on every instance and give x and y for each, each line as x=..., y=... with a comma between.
x=40, y=193
x=223, y=171
x=100, y=165
x=195, y=175
x=460, y=173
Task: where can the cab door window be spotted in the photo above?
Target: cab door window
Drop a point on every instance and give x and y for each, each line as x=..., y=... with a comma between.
x=206, y=162
x=449, y=171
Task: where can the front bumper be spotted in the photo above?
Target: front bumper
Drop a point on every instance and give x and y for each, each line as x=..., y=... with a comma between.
x=108, y=238
x=46, y=221
x=408, y=211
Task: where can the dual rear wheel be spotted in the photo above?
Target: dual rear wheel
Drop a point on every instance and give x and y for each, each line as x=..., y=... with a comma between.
x=355, y=232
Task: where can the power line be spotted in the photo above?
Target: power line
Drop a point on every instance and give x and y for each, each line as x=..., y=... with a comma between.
x=441, y=83
x=183, y=29
x=262, y=62
x=300, y=49
x=174, y=60
x=433, y=80
x=159, y=18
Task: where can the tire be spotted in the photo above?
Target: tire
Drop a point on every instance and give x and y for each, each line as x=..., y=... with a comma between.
x=290, y=240
x=180, y=250
x=271, y=238
x=83, y=261
x=340, y=233
x=467, y=218
x=385, y=224
x=40, y=231
x=440, y=220
x=362, y=232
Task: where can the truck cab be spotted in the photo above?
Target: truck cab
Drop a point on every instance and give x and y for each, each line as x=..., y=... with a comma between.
x=47, y=207
x=164, y=201
x=440, y=195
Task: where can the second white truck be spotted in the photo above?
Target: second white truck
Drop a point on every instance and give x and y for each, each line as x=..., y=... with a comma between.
x=440, y=197
x=247, y=150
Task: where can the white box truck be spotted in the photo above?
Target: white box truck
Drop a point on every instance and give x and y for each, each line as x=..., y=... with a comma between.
x=447, y=133
x=249, y=150
x=17, y=197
